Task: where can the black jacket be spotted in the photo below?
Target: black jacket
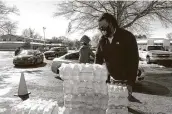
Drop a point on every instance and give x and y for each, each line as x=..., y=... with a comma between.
x=121, y=56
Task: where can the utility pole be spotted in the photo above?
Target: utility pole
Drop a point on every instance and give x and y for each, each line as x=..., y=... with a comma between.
x=44, y=35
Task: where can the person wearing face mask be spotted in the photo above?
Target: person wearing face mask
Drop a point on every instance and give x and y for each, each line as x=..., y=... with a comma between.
x=117, y=47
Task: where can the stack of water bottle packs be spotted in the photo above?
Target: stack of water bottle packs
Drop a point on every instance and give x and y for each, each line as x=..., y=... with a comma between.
x=86, y=92
x=118, y=99
x=85, y=88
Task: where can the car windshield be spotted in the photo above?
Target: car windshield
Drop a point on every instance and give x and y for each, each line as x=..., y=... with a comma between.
x=75, y=56
x=54, y=49
x=155, y=48
x=72, y=56
x=27, y=52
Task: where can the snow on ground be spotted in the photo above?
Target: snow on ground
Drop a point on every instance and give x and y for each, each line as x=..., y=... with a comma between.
x=6, y=54
x=144, y=64
x=36, y=107
x=155, y=68
x=5, y=90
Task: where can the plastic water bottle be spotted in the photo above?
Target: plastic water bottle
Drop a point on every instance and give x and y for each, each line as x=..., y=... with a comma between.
x=87, y=111
x=67, y=72
x=67, y=101
x=76, y=111
x=82, y=73
x=89, y=69
x=104, y=102
x=96, y=88
x=104, y=89
x=49, y=109
x=125, y=92
x=68, y=86
x=102, y=111
x=104, y=73
x=97, y=72
x=96, y=101
x=111, y=111
x=82, y=87
x=95, y=111
x=75, y=71
x=75, y=90
x=33, y=109
x=81, y=101
x=89, y=88
x=61, y=72
x=89, y=102
x=67, y=110
x=73, y=101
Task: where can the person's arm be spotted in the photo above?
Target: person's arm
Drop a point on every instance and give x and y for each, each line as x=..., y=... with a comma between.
x=80, y=55
x=92, y=54
x=99, y=54
x=132, y=59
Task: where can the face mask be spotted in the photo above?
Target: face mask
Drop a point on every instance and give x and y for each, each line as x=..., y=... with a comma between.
x=108, y=32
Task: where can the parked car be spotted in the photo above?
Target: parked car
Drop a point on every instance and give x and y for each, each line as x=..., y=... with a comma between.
x=28, y=57
x=55, y=52
x=73, y=58
x=155, y=54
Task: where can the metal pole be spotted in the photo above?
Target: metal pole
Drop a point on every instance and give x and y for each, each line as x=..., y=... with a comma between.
x=44, y=35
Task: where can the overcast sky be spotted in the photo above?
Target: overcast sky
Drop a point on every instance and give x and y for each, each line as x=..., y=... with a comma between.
x=37, y=14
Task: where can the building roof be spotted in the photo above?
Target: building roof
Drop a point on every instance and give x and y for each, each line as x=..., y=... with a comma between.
x=142, y=41
x=21, y=37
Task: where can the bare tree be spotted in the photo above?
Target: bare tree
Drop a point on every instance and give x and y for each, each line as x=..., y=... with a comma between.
x=169, y=35
x=9, y=27
x=5, y=11
x=4, y=20
x=132, y=15
x=30, y=33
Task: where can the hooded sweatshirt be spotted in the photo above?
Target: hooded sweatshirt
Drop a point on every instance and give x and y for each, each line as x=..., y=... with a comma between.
x=84, y=54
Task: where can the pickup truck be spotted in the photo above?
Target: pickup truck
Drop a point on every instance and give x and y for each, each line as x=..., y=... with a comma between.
x=155, y=54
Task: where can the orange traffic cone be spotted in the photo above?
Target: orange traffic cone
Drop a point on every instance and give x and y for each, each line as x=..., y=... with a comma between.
x=22, y=90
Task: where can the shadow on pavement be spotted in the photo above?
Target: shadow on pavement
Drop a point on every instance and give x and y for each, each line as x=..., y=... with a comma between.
x=32, y=66
x=131, y=98
x=150, y=88
x=133, y=111
x=59, y=78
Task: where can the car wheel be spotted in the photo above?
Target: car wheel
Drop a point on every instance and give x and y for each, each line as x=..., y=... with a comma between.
x=57, y=71
x=56, y=55
x=46, y=57
x=35, y=61
x=148, y=60
x=16, y=65
x=42, y=60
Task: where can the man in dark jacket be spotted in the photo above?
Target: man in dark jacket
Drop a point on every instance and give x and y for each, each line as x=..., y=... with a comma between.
x=118, y=49
x=85, y=52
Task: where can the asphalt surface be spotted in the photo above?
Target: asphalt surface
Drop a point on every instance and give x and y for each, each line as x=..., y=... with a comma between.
x=42, y=83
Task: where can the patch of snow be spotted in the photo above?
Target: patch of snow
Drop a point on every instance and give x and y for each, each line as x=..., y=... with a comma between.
x=2, y=110
x=36, y=107
x=5, y=91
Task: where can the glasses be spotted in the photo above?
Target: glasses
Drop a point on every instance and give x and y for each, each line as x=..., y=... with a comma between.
x=102, y=28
